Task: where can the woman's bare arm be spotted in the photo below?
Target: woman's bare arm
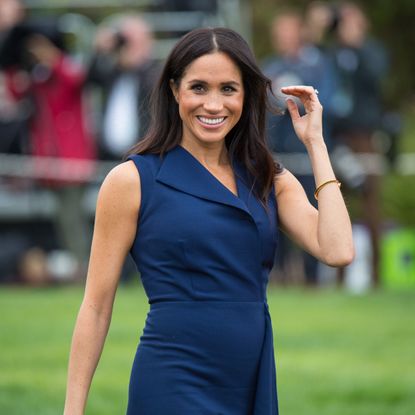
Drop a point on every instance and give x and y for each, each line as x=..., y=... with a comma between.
x=114, y=231
x=326, y=233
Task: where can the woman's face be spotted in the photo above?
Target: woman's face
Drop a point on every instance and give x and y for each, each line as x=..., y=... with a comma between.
x=210, y=98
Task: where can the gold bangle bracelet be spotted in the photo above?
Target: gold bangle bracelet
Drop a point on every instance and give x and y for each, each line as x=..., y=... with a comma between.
x=316, y=192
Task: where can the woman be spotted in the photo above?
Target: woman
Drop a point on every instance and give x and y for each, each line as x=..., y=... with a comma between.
x=206, y=198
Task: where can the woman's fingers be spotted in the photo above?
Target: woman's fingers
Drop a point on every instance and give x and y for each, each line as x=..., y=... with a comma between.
x=307, y=95
x=293, y=109
x=298, y=90
x=302, y=92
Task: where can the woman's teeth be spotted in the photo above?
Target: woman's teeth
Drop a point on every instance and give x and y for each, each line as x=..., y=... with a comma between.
x=211, y=121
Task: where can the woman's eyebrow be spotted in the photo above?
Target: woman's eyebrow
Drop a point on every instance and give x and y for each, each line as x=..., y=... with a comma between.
x=232, y=83
x=199, y=81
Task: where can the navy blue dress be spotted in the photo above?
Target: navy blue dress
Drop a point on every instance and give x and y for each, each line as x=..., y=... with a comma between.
x=204, y=256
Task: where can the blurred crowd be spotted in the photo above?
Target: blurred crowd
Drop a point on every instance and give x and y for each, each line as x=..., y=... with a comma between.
x=330, y=46
x=49, y=110
x=54, y=106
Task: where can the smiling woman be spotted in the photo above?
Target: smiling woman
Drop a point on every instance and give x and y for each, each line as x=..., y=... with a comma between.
x=198, y=204
x=209, y=75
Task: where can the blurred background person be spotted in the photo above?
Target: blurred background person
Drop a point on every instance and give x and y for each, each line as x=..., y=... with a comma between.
x=13, y=115
x=362, y=64
x=296, y=61
x=123, y=66
x=40, y=70
x=319, y=21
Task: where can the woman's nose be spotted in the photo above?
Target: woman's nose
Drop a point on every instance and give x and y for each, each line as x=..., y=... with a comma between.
x=213, y=103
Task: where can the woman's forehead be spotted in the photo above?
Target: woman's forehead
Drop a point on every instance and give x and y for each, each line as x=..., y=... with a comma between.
x=217, y=66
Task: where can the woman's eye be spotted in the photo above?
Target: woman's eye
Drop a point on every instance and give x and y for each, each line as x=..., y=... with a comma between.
x=198, y=88
x=228, y=89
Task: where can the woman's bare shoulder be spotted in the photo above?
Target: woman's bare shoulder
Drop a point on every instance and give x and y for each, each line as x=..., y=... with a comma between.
x=121, y=185
x=124, y=174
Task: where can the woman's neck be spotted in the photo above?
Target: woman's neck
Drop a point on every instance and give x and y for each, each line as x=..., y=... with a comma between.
x=210, y=155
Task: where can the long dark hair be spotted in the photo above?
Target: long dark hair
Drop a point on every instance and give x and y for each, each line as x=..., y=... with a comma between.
x=246, y=142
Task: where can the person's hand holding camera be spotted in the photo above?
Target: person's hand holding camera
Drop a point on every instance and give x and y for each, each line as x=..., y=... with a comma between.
x=42, y=50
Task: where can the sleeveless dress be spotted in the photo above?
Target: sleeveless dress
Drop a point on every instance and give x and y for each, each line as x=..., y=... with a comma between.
x=204, y=255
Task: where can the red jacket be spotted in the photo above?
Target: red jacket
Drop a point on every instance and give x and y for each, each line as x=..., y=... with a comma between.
x=58, y=127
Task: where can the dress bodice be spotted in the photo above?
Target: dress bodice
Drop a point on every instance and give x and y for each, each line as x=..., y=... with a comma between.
x=195, y=239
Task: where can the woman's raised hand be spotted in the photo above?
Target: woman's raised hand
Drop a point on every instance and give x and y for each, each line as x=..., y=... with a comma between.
x=308, y=127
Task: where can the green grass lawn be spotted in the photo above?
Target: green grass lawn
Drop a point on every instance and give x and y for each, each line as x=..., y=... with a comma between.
x=336, y=354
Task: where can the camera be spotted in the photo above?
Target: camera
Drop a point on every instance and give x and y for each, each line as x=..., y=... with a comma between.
x=14, y=51
x=120, y=40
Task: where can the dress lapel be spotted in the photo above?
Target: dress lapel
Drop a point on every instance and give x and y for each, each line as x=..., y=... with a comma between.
x=182, y=171
x=247, y=195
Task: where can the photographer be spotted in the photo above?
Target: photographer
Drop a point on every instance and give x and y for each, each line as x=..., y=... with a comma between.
x=123, y=67
x=37, y=67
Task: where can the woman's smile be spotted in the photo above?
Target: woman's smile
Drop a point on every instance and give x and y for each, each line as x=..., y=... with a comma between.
x=210, y=122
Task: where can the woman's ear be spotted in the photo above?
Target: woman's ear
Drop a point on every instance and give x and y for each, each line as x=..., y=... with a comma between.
x=173, y=87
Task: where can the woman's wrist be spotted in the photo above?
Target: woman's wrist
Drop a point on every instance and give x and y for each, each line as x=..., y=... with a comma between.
x=315, y=145
x=320, y=162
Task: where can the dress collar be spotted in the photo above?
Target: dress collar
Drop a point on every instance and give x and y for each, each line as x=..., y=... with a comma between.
x=181, y=170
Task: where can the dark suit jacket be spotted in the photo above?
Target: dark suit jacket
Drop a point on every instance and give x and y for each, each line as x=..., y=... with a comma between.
x=104, y=72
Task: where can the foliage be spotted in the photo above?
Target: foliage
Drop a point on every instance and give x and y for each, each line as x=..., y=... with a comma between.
x=335, y=355
x=399, y=199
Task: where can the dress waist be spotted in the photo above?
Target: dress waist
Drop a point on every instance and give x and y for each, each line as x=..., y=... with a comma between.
x=154, y=305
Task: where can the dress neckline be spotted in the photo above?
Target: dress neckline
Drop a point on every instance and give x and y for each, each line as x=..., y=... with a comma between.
x=235, y=176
